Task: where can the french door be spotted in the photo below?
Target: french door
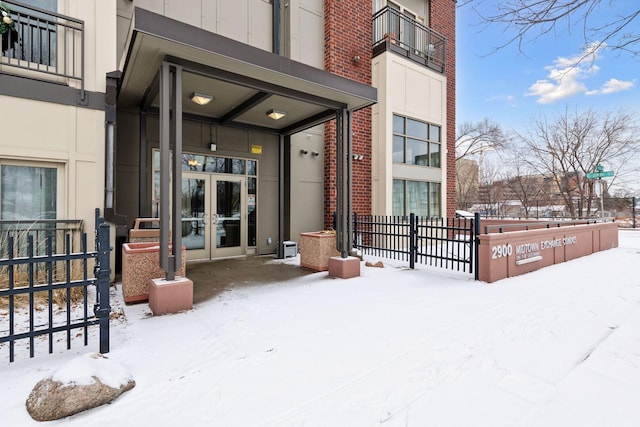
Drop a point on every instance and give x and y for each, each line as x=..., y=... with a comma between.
x=213, y=216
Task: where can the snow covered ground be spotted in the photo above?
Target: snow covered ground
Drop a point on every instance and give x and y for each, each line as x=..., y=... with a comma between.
x=395, y=347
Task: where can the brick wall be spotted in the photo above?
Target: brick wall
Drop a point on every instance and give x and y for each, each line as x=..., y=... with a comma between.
x=443, y=20
x=347, y=33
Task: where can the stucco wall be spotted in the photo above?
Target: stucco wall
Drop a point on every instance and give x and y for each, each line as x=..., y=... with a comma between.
x=70, y=136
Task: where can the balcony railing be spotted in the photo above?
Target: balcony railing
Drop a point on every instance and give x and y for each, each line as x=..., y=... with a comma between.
x=45, y=42
x=40, y=230
x=397, y=32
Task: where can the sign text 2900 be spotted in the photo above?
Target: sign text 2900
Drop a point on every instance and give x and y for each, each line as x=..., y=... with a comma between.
x=501, y=251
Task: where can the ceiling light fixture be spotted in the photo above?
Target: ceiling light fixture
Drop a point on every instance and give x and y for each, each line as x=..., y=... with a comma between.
x=276, y=114
x=200, y=98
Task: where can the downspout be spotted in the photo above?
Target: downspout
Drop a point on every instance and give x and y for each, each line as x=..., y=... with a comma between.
x=281, y=173
x=110, y=215
x=276, y=27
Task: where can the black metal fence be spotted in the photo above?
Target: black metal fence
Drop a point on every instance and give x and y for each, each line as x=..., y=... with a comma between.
x=625, y=210
x=449, y=243
x=35, y=280
x=40, y=230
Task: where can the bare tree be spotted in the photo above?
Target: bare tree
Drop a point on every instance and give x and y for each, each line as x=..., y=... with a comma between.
x=475, y=138
x=491, y=193
x=467, y=183
x=528, y=20
x=570, y=146
x=525, y=186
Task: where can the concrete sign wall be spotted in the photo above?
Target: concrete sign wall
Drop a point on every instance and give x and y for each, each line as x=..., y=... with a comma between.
x=513, y=253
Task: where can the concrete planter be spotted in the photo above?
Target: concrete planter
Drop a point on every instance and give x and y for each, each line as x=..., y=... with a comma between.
x=141, y=263
x=316, y=248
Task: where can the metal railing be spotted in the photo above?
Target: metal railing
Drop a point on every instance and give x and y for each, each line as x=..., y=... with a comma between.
x=52, y=280
x=44, y=41
x=449, y=243
x=395, y=31
x=538, y=225
x=40, y=230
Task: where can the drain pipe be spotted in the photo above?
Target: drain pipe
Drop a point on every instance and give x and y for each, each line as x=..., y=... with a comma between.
x=276, y=27
x=113, y=78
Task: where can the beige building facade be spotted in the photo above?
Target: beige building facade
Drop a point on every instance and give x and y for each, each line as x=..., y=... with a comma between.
x=99, y=116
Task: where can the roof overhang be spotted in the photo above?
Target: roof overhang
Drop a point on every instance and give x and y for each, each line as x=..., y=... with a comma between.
x=245, y=81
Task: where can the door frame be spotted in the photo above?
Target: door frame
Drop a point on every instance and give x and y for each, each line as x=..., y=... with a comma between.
x=211, y=250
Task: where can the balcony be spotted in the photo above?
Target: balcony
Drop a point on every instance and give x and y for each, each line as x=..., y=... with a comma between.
x=47, y=44
x=393, y=31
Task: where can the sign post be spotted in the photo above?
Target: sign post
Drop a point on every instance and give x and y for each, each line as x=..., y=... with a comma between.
x=598, y=174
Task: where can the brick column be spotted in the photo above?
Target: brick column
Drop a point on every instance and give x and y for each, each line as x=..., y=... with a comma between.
x=443, y=20
x=347, y=34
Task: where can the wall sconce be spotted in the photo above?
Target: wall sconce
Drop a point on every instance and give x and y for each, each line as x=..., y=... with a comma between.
x=200, y=98
x=315, y=153
x=358, y=157
x=304, y=152
x=356, y=59
x=276, y=114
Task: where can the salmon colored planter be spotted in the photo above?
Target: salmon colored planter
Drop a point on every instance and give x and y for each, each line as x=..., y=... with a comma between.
x=141, y=263
x=316, y=248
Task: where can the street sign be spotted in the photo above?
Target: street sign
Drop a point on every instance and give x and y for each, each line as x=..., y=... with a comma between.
x=599, y=174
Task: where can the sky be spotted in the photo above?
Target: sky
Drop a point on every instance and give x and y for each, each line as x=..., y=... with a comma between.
x=393, y=347
x=513, y=88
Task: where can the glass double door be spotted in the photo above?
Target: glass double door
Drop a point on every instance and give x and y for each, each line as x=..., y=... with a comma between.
x=213, y=221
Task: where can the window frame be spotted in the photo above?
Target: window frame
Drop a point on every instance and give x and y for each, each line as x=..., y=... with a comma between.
x=433, y=195
x=407, y=137
x=60, y=168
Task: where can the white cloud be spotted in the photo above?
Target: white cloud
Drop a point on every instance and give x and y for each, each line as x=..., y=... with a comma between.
x=566, y=76
x=612, y=86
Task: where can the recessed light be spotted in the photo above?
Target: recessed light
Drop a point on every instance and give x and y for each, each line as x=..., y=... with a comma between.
x=276, y=114
x=200, y=98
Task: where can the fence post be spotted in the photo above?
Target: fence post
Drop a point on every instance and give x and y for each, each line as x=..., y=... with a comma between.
x=103, y=273
x=633, y=211
x=355, y=230
x=476, y=244
x=413, y=232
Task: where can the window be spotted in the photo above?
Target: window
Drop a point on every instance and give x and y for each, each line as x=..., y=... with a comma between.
x=415, y=142
x=418, y=197
x=28, y=192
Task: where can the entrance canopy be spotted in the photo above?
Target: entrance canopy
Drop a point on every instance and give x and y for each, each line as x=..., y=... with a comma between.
x=168, y=62
x=245, y=82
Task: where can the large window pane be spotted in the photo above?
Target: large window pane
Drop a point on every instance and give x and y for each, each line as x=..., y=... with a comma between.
x=417, y=152
x=398, y=124
x=28, y=193
x=434, y=133
x=398, y=149
x=417, y=129
x=417, y=194
x=434, y=199
x=398, y=197
x=434, y=155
